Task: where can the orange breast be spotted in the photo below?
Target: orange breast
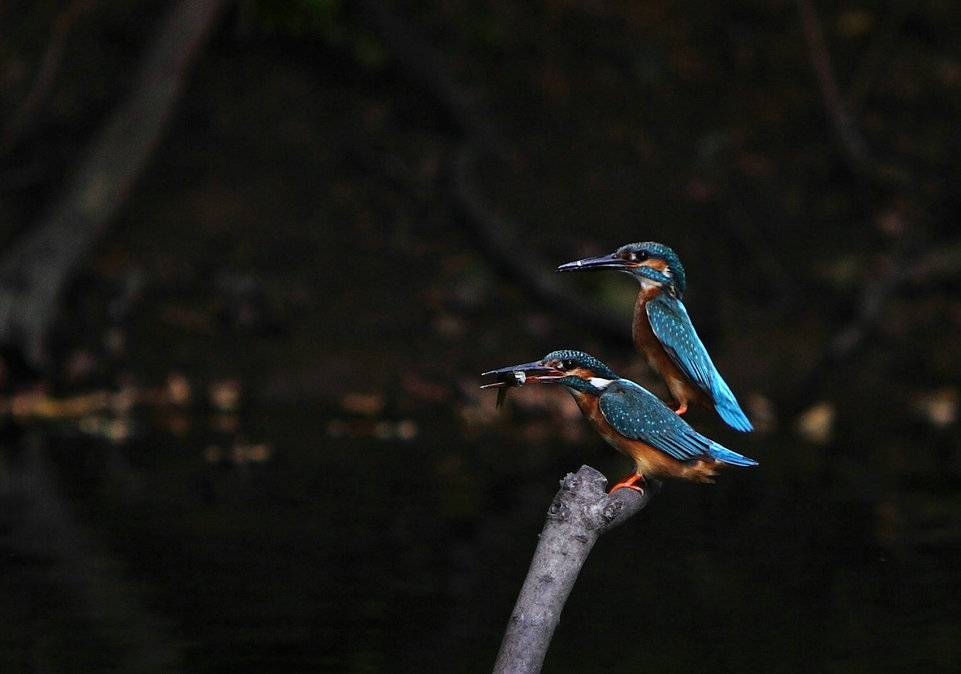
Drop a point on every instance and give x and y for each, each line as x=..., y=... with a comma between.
x=650, y=462
x=653, y=463
x=648, y=345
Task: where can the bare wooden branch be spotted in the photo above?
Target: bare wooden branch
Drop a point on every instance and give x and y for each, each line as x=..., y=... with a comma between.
x=927, y=267
x=497, y=237
x=47, y=74
x=36, y=269
x=580, y=513
x=852, y=142
x=847, y=132
x=944, y=261
x=422, y=65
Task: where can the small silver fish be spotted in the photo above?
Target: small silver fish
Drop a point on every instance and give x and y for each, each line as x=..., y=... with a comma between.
x=513, y=379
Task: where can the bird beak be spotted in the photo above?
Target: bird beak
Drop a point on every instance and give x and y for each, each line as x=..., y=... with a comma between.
x=526, y=373
x=610, y=261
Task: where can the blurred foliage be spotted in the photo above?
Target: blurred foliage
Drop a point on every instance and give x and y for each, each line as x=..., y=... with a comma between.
x=327, y=20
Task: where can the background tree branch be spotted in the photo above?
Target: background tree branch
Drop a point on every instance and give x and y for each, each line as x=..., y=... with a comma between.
x=34, y=272
x=853, y=145
x=46, y=75
x=497, y=236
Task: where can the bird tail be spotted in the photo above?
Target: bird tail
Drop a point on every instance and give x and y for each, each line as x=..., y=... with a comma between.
x=726, y=406
x=727, y=456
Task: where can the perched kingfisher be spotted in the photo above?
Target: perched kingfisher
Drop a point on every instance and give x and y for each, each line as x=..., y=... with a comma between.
x=629, y=417
x=663, y=332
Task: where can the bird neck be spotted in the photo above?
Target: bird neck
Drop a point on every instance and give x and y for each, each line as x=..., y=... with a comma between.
x=586, y=402
x=649, y=290
x=585, y=387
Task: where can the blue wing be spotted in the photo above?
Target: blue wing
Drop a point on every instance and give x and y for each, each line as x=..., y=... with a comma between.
x=673, y=328
x=637, y=414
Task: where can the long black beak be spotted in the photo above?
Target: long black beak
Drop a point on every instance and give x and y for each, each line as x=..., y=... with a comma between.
x=525, y=373
x=610, y=261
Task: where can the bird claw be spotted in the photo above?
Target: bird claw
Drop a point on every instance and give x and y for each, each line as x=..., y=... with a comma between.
x=626, y=486
x=629, y=483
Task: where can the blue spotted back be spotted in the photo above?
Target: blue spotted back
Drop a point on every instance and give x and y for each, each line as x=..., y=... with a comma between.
x=637, y=414
x=673, y=328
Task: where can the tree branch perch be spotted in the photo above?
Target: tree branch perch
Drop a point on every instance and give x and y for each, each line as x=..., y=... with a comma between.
x=580, y=513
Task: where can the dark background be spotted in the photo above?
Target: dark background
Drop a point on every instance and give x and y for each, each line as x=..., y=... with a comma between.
x=356, y=208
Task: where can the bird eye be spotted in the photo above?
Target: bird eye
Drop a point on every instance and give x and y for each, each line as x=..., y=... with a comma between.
x=641, y=255
x=567, y=365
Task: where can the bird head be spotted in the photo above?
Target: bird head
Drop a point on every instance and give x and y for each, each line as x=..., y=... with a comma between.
x=574, y=369
x=651, y=263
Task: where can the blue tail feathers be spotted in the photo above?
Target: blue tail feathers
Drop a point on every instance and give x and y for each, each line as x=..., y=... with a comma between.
x=733, y=416
x=727, y=407
x=727, y=456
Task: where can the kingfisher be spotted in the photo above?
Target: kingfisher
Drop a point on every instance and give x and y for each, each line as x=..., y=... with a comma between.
x=663, y=332
x=629, y=417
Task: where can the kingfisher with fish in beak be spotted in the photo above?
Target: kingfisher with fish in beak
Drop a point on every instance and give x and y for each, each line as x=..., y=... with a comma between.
x=629, y=417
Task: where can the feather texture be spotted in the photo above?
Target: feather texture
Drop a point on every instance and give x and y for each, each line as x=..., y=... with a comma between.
x=673, y=328
x=637, y=414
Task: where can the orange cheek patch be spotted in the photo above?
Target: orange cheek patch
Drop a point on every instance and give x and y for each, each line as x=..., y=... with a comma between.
x=659, y=265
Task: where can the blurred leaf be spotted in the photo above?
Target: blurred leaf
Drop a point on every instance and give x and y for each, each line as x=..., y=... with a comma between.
x=325, y=19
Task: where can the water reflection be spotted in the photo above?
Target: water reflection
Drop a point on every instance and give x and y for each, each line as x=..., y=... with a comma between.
x=360, y=554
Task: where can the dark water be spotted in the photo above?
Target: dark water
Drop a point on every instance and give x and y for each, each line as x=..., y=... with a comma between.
x=354, y=554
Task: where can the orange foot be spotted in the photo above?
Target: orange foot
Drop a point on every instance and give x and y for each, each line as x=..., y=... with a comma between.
x=629, y=483
x=681, y=407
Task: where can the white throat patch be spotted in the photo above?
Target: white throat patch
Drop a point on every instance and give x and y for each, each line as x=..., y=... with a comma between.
x=600, y=382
